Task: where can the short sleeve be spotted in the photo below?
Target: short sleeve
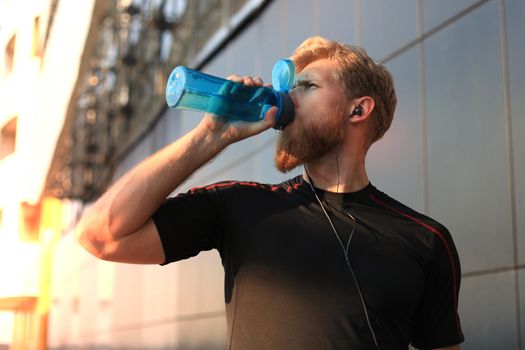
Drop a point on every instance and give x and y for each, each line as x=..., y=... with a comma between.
x=437, y=321
x=188, y=224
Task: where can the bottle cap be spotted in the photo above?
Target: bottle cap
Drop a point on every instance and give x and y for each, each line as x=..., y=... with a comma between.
x=286, y=111
x=175, y=86
x=283, y=75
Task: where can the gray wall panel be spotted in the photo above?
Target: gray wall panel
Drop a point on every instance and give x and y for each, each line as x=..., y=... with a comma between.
x=271, y=38
x=200, y=286
x=400, y=149
x=202, y=334
x=161, y=133
x=220, y=64
x=299, y=19
x=515, y=11
x=488, y=312
x=521, y=301
x=468, y=177
x=137, y=154
x=436, y=12
x=264, y=169
x=128, y=307
x=173, y=126
x=87, y=301
x=159, y=294
x=245, y=53
x=381, y=30
x=337, y=20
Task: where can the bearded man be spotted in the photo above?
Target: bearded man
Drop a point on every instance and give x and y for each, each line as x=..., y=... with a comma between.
x=322, y=261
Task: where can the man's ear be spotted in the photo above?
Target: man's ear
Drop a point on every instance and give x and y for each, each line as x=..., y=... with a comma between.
x=361, y=108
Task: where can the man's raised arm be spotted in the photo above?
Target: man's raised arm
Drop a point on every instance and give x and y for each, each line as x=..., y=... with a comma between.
x=118, y=226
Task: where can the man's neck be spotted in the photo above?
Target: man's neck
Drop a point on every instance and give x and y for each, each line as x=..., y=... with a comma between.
x=337, y=173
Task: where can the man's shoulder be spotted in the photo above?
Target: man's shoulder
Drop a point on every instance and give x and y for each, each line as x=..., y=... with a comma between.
x=240, y=185
x=396, y=207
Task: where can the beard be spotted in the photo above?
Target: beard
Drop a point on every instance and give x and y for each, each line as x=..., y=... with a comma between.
x=311, y=142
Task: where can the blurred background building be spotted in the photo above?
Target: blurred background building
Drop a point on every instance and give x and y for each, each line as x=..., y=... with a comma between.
x=38, y=69
x=82, y=101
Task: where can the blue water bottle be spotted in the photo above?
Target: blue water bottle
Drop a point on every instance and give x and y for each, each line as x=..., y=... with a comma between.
x=194, y=90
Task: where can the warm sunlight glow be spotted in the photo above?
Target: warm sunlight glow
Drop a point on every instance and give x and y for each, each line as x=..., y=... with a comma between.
x=36, y=82
x=19, y=269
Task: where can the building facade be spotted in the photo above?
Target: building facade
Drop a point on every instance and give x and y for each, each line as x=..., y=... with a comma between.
x=36, y=83
x=454, y=152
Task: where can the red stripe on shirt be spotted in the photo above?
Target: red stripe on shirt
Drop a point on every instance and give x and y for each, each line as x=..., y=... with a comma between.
x=445, y=243
x=244, y=183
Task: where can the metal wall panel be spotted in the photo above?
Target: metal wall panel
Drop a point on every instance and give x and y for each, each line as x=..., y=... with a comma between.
x=468, y=169
x=386, y=25
x=298, y=20
x=515, y=12
x=338, y=20
x=394, y=162
x=521, y=310
x=270, y=36
x=436, y=12
x=488, y=312
x=199, y=285
x=202, y=334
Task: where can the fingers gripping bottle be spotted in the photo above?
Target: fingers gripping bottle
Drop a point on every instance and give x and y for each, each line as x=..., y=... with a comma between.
x=193, y=90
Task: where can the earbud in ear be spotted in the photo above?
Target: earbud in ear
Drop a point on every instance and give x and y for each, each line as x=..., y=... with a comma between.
x=357, y=111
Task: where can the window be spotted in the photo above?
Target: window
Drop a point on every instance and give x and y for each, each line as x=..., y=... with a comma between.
x=37, y=47
x=8, y=138
x=10, y=55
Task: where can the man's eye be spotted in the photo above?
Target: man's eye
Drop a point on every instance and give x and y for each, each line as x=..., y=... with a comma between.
x=305, y=85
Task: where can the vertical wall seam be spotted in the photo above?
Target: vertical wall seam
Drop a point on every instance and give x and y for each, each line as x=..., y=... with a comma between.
x=422, y=108
x=510, y=157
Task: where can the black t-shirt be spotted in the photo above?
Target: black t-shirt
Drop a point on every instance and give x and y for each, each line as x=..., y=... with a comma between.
x=287, y=284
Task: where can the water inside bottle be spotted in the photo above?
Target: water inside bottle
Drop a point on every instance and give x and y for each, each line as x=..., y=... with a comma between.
x=234, y=101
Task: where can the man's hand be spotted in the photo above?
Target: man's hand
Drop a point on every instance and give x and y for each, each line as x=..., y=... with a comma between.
x=225, y=131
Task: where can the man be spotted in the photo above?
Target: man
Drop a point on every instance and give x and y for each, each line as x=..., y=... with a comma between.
x=322, y=261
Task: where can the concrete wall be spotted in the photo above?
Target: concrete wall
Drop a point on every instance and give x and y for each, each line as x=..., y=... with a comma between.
x=454, y=151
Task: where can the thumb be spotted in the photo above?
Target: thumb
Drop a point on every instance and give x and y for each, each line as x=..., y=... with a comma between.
x=263, y=124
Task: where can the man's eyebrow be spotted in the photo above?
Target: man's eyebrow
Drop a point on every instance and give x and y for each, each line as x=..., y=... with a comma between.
x=305, y=77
